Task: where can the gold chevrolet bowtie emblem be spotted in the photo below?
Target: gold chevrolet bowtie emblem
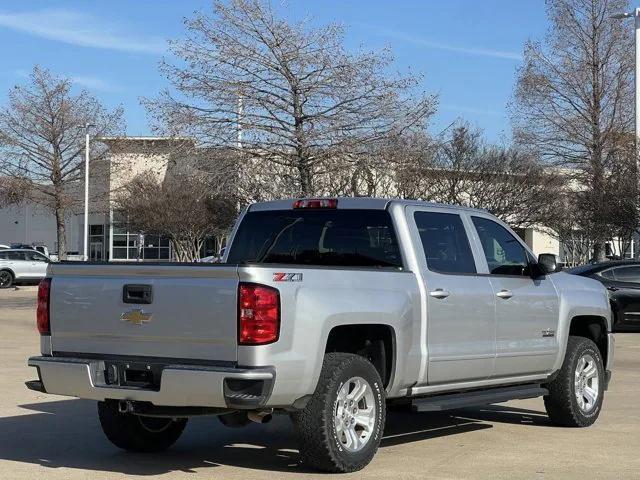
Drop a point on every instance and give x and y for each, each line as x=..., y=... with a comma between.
x=136, y=317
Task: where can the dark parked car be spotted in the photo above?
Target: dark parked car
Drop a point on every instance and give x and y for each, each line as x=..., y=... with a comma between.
x=622, y=279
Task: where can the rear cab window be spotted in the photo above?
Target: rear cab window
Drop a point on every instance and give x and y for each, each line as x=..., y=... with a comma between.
x=322, y=237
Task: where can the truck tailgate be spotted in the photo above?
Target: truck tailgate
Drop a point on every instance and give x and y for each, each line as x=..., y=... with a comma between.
x=191, y=315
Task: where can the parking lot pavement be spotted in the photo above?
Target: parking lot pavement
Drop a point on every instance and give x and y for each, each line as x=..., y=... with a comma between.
x=43, y=436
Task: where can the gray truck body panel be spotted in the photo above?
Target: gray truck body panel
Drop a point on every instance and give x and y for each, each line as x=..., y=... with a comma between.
x=472, y=338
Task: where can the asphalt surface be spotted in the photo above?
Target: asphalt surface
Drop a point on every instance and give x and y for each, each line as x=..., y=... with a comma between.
x=51, y=437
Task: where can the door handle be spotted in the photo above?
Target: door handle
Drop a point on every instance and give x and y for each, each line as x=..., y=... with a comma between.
x=505, y=294
x=613, y=289
x=439, y=293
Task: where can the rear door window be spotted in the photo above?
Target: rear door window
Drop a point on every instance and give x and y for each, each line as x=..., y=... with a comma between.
x=331, y=237
x=445, y=243
x=627, y=274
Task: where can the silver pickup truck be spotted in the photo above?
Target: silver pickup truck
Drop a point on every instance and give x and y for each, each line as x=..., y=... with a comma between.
x=331, y=311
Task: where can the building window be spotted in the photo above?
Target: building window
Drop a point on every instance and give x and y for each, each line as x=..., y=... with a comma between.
x=128, y=245
x=96, y=243
x=156, y=248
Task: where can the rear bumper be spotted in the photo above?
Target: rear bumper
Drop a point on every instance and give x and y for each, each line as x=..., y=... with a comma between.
x=180, y=385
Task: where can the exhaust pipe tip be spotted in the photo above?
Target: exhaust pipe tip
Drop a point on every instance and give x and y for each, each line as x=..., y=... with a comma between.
x=260, y=416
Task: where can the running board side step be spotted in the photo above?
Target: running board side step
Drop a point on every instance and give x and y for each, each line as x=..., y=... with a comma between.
x=452, y=401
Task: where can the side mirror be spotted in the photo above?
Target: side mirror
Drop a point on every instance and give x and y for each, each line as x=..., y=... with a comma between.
x=548, y=263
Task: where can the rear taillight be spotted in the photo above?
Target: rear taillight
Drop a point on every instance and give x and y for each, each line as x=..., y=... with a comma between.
x=316, y=203
x=258, y=314
x=42, y=315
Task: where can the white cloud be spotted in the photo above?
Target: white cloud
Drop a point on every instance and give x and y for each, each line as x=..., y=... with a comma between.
x=95, y=83
x=416, y=40
x=80, y=29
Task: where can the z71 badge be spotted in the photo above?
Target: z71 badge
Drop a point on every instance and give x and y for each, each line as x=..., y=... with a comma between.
x=287, y=277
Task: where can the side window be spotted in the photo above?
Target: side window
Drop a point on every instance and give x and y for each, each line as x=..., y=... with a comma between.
x=445, y=243
x=504, y=253
x=15, y=255
x=627, y=274
x=3, y=255
x=607, y=274
x=35, y=257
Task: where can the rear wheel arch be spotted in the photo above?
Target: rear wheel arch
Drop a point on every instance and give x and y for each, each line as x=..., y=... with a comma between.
x=374, y=342
x=594, y=328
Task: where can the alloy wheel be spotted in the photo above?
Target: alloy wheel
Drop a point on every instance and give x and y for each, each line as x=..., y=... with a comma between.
x=355, y=414
x=586, y=383
x=5, y=279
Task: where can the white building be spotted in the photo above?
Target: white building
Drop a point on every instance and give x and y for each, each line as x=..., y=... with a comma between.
x=109, y=239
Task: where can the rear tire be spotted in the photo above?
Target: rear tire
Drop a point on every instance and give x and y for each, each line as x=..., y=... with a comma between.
x=576, y=393
x=341, y=426
x=136, y=433
x=6, y=279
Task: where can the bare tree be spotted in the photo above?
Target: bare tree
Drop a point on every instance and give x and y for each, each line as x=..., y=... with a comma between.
x=42, y=146
x=397, y=166
x=622, y=202
x=461, y=169
x=569, y=229
x=284, y=93
x=181, y=207
x=572, y=99
x=12, y=191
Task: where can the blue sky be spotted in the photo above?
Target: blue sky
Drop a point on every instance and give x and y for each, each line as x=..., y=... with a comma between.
x=467, y=50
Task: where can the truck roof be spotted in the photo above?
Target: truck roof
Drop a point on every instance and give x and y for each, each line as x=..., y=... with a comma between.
x=363, y=203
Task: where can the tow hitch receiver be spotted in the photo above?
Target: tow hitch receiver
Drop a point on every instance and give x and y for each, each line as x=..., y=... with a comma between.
x=130, y=374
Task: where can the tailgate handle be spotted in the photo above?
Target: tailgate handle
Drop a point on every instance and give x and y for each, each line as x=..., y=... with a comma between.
x=140, y=294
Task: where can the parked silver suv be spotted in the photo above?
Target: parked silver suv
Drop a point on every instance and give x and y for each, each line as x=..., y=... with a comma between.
x=21, y=265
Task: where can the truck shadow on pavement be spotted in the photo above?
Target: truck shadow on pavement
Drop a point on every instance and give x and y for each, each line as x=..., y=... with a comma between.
x=66, y=434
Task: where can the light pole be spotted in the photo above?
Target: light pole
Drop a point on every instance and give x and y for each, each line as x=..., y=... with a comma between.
x=86, y=128
x=636, y=17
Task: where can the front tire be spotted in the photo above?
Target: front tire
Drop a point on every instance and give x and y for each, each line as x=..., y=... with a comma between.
x=576, y=393
x=136, y=433
x=341, y=426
